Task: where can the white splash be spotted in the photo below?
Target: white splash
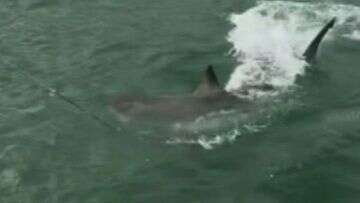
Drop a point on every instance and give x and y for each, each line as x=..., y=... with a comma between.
x=269, y=40
x=268, y=43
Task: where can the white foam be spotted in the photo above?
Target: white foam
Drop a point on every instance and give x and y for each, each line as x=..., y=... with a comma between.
x=9, y=179
x=207, y=142
x=355, y=35
x=269, y=40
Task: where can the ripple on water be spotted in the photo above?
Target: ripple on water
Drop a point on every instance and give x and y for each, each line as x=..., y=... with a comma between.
x=9, y=180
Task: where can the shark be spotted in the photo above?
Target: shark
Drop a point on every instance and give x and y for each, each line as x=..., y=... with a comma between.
x=208, y=96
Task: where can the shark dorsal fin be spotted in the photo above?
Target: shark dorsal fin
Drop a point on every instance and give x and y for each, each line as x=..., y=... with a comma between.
x=312, y=49
x=209, y=84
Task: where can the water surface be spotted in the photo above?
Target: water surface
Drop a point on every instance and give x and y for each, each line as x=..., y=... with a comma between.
x=298, y=145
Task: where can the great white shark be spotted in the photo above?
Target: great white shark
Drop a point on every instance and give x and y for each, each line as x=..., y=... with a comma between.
x=208, y=96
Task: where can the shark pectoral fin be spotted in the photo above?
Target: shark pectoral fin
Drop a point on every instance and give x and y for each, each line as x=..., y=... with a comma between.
x=209, y=83
x=312, y=49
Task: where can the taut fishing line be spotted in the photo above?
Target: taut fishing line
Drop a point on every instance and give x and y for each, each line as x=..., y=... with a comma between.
x=55, y=93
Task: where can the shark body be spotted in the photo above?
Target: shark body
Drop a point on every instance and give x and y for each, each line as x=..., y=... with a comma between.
x=209, y=95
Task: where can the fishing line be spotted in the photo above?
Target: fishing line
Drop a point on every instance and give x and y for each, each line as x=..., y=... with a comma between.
x=53, y=92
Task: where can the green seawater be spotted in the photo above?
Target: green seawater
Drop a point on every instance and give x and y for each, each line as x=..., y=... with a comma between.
x=302, y=146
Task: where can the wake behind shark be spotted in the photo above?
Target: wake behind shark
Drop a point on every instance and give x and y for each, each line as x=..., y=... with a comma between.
x=207, y=97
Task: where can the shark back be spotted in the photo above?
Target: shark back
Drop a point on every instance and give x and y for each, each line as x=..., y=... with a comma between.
x=312, y=49
x=209, y=84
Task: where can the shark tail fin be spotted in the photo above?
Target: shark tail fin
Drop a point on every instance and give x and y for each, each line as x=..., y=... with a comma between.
x=209, y=83
x=312, y=49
